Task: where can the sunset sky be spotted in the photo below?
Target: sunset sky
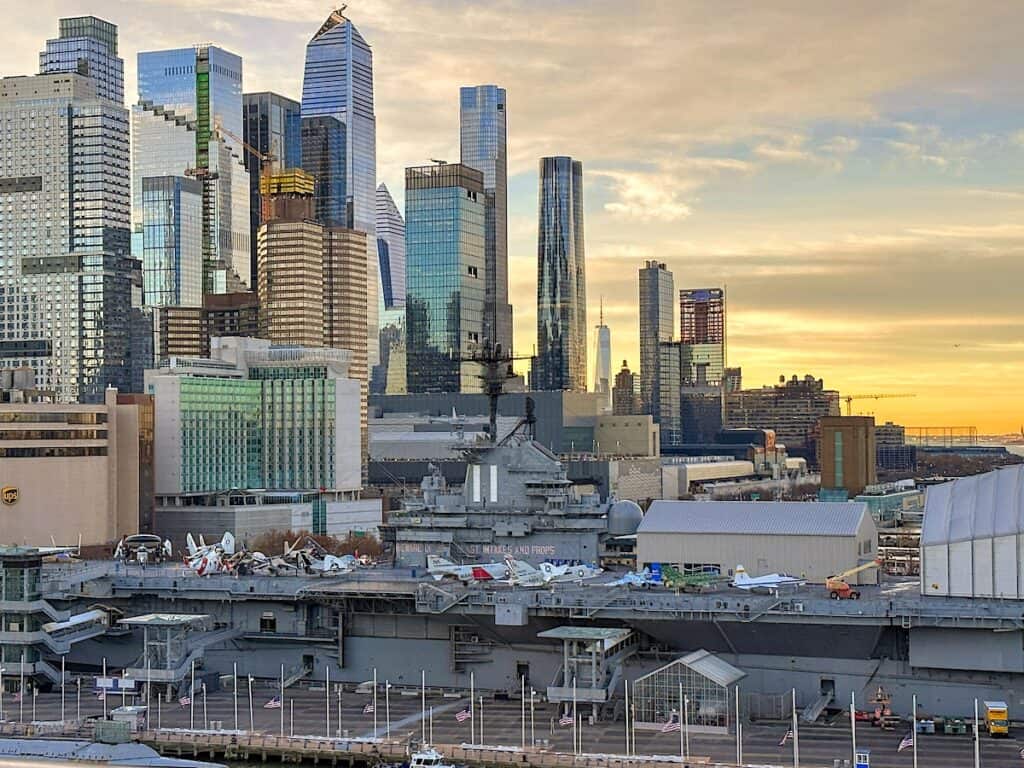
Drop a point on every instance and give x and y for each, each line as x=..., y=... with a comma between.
x=853, y=173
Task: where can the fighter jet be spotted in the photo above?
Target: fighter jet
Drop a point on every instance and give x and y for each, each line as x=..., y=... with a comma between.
x=55, y=554
x=569, y=572
x=768, y=584
x=206, y=559
x=442, y=568
x=645, y=579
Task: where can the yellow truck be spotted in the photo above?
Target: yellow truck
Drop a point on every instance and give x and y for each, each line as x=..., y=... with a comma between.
x=997, y=718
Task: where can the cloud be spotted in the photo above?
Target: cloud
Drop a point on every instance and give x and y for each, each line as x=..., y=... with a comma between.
x=644, y=196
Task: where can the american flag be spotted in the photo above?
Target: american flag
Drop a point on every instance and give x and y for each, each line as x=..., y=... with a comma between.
x=101, y=694
x=463, y=716
x=368, y=709
x=185, y=700
x=786, y=737
x=274, y=703
x=672, y=724
x=907, y=743
x=566, y=719
x=17, y=696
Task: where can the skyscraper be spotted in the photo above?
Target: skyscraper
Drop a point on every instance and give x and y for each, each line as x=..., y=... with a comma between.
x=656, y=326
x=87, y=46
x=603, y=358
x=624, y=399
x=391, y=249
x=444, y=303
x=702, y=334
x=172, y=228
x=561, y=362
x=197, y=94
x=271, y=124
x=338, y=83
x=483, y=141
x=66, y=289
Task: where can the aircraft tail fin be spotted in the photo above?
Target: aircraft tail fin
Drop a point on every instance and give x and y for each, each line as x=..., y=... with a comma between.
x=191, y=544
x=740, y=575
x=227, y=543
x=436, y=561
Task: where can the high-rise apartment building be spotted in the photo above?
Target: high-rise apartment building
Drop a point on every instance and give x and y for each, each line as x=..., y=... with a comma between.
x=391, y=249
x=87, y=46
x=792, y=408
x=271, y=124
x=668, y=389
x=66, y=283
x=483, y=143
x=338, y=83
x=657, y=297
x=603, y=358
x=624, y=393
x=561, y=361
x=702, y=334
x=189, y=116
x=172, y=230
x=444, y=303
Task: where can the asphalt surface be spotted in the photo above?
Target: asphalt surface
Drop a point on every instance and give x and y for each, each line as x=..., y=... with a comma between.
x=304, y=714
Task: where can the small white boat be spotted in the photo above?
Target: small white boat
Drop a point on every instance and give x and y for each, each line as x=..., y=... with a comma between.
x=428, y=757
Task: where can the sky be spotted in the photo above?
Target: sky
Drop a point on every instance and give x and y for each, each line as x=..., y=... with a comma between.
x=852, y=173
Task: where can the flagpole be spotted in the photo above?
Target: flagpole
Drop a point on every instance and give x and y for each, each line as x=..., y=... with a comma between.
x=913, y=732
x=78, y=699
x=423, y=704
x=149, y=686
x=632, y=719
x=374, y=702
x=102, y=689
x=387, y=707
x=252, y=722
x=206, y=719
x=282, y=700
x=234, y=690
x=159, y=712
x=533, y=740
x=686, y=723
x=522, y=714
x=626, y=688
x=327, y=702
x=796, y=735
x=977, y=738
x=481, y=721
x=739, y=730
x=575, y=732
x=291, y=717
x=853, y=724
x=682, y=745
x=191, y=699
x=339, y=711
x=62, y=689
x=431, y=725
x=472, y=710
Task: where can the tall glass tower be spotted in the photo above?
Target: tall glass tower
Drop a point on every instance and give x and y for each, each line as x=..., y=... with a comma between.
x=444, y=302
x=483, y=140
x=656, y=308
x=391, y=249
x=199, y=90
x=338, y=83
x=88, y=46
x=561, y=362
x=603, y=359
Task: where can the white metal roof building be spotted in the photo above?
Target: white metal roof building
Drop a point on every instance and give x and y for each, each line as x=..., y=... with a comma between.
x=810, y=539
x=971, y=537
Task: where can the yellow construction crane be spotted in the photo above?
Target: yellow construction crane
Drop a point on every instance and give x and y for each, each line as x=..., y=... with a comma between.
x=850, y=398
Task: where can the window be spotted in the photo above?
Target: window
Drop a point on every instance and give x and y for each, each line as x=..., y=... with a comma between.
x=268, y=622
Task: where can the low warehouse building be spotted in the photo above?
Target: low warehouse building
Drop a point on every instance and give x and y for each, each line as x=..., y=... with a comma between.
x=970, y=537
x=810, y=539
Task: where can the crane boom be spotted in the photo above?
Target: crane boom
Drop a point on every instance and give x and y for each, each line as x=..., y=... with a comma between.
x=881, y=396
x=858, y=569
x=263, y=158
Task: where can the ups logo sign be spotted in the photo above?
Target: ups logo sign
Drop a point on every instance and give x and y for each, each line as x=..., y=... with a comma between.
x=9, y=495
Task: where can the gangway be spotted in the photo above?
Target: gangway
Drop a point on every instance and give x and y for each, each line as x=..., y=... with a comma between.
x=813, y=710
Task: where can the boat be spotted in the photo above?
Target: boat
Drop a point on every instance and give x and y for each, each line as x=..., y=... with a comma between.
x=428, y=757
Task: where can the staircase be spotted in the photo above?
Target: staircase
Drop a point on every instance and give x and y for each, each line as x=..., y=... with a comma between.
x=813, y=710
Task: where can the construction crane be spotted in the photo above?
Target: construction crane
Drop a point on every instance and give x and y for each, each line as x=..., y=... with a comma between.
x=850, y=398
x=839, y=589
x=265, y=160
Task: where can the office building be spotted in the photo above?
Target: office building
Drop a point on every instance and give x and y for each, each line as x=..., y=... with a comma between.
x=391, y=249
x=657, y=297
x=231, y=314
x=444, y=303
x=603, y=359
x=791, y=408
x=846, y=454
x=189, y=116
x=625, y=401
x=323, y=156
x=667, y=388
x=66, y=290
x=483, y=145
x=338, y=83
x=561, y=361
x=891, y=450
x=66, y=469
x=700, y=413
x=178, y=332
x=172, y=230
x=702, y=335
x=87, y=46
x=271, y=125
x=291, y=288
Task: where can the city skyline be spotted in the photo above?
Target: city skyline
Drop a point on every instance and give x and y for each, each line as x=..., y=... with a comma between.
x=849, y=183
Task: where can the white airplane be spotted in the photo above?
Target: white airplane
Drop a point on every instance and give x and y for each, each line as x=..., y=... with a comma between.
x=206, y=559
x=143, y=548
x=55, y=554
x=569, y=572
x=768, y=584
x=443, y=568
x=523, y=574
x=642, y=578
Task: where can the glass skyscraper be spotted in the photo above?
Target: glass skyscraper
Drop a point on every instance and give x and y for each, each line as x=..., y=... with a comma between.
x=483, y=141
x=172, y=256
x=444, y=302
x=65, y=267
x=271, y=124
x=656, y=326
x=561, y=361
x=603, y=359
x=202, y=87
x=88, y=46
x=390, y=249
x=338, y=82
x=323, y=155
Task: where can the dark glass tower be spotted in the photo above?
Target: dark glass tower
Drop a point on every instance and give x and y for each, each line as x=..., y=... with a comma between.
x=323, y=155
x=338, y=83
x=656, y=311
x=561, y=362
x=484, y=147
